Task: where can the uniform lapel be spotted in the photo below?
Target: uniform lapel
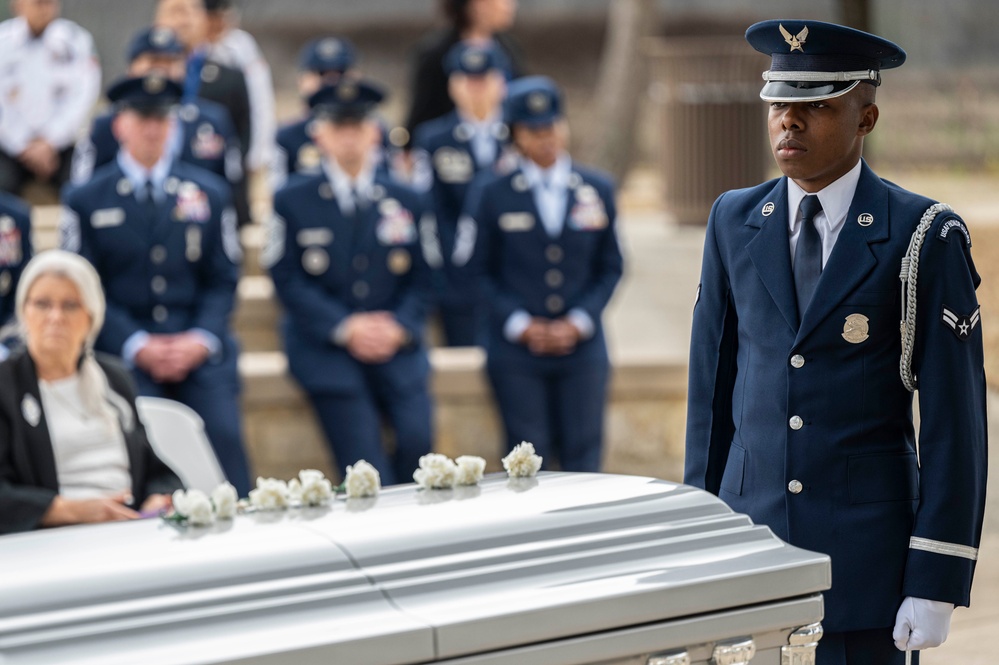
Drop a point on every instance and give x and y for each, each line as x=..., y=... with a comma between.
x=37, y=437
x=851, y=259
x=771, y=254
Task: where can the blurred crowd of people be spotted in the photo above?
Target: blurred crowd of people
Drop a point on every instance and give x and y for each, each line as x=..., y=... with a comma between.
x=473, y=212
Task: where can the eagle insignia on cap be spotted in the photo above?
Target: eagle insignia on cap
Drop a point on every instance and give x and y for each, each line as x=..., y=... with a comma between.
x=154, y=85
x=795, y=41
x=328, y=48
x=347, y=92
x=537, y=102
x=474, y=59
x=160, y=37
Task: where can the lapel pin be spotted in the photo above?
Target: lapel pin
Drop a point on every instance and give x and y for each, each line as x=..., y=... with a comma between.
x=768, y=209
x=865, y=219
x=31, y=410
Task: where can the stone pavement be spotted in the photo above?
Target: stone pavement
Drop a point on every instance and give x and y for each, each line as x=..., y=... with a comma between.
x=650, y=317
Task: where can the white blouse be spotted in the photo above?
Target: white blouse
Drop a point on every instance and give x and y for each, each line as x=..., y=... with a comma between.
x=90, y=456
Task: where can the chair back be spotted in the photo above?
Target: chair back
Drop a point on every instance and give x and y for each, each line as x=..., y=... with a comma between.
x=177, y=434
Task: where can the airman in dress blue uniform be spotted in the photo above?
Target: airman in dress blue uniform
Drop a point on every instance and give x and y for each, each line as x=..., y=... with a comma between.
x=205, y=136
x=344, y=250
x=15, y=252
x=162, y=235
x=449, y=153
x=321, y=62
x=798, y=413
x=546, y=249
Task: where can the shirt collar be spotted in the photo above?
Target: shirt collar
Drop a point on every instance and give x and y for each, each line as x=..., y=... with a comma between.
x=481, y=127
x=556, y=176
x=343, y=184
x=835, y=198
x=137, y=174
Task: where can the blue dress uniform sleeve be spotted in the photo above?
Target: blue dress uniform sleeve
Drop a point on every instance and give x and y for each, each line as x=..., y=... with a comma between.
x=313, y=310
x=414, y=300
x=484, y=264
x=75, y=236
x=609, y=263
x=220, y=273
x=13, y=258
x=948, y=362
x=712, y=369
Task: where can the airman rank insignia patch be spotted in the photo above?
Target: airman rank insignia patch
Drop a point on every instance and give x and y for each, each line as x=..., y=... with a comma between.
x=952, y=224
x=962, y=326
x=856, y=328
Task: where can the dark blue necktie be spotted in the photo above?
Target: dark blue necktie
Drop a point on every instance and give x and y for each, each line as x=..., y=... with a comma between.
x=149, y=201
x=807, y=254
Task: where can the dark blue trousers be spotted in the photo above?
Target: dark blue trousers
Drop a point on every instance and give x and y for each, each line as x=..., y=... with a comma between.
x=212, y=390
x=557, y=404
x=861, y=647
x=352, y=424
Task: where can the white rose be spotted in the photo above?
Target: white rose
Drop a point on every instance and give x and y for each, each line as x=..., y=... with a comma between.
x=316, y=489
x=362, y=480
x=224, y=498
x=436, y=472
x=294, y=490
x=197, y=508
x=271, y=494
x=470, y=469
x=179, y=502
x=522, y=462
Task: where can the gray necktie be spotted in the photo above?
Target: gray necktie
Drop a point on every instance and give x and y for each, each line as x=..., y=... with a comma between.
x=807, y=254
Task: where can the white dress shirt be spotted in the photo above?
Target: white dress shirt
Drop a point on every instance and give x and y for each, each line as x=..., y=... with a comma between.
x=345, y=187
x=90, y=455
x=550, y=188
x=835, y=199
x=48, y=84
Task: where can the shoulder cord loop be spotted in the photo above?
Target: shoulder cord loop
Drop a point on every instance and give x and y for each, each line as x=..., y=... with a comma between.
x=909, y=276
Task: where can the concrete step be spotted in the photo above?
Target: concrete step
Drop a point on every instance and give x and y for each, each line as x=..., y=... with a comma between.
x=643, y=432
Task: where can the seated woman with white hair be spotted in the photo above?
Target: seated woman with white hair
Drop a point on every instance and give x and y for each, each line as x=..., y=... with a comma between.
x=72, y=448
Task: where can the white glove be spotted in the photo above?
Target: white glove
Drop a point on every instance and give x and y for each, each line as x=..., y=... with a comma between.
x=921, y=624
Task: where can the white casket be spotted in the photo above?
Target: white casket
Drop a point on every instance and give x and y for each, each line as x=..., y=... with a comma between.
x=573, y=569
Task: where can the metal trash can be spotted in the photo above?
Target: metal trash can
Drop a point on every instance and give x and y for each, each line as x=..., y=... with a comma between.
x=712, y=119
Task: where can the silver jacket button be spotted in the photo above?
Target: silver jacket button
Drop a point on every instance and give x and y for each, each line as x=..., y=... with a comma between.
x=797, y=361
x=796, y=422
x=795, y=487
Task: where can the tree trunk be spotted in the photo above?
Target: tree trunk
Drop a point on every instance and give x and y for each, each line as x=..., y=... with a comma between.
x=856, y=14
x=622, y=82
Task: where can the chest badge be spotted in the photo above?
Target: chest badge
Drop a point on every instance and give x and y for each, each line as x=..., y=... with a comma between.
x=856, y=329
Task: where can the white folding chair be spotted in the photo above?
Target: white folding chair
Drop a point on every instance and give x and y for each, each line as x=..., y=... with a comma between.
x=177, y=434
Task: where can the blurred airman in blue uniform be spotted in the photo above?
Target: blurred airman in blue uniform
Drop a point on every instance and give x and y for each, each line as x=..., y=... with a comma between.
x=204, y=135
x=321, y=62
x=162, y=235
x=449, y=153
x=545, y=246
x=344, y=250
x=798, y=413
x=15, y=252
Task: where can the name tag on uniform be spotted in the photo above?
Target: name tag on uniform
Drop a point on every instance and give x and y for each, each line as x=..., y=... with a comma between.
x=102, y=219
x=516, y=221
x=318, y=236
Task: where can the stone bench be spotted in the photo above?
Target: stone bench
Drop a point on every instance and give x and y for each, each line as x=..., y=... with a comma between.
x=643, y=433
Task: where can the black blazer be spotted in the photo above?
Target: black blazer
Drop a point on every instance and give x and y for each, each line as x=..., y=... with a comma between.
x=227, y=86
x=28, y=480
x=428, y=92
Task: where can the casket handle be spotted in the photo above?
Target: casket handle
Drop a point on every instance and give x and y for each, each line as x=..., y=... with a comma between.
x=738, y=653
x=801, y=645
x=679, y=658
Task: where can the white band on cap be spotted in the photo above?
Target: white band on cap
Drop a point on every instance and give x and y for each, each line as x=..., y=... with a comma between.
x=823, y=77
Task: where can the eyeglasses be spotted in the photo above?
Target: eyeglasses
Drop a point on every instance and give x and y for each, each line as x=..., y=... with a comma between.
x=44, y=306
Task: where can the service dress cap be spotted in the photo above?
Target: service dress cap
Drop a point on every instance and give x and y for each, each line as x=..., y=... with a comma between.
x=475, y=59
x=154, y=41
x=327, y=54
x=532, y=100
x=812, y=60
x=152, y=94
x=346, y=100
